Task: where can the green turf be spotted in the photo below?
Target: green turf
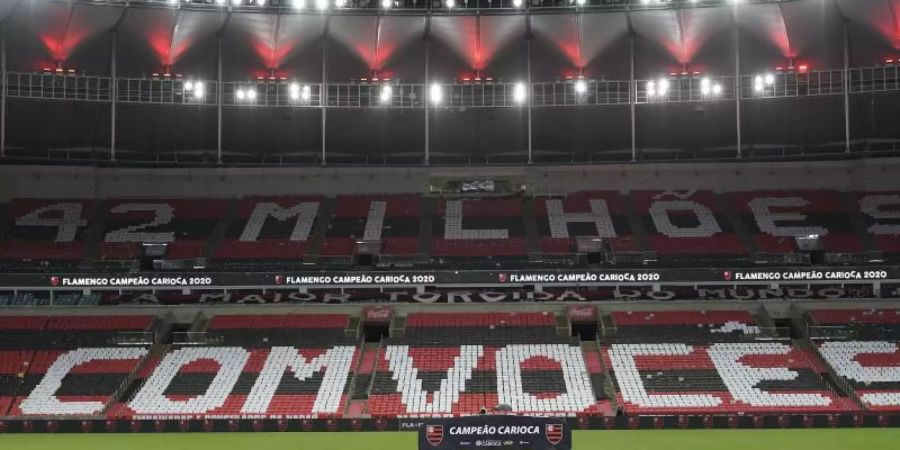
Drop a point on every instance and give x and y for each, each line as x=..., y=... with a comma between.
x=815, y=439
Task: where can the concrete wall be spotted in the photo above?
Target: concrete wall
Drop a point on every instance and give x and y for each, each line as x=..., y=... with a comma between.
x=91, y=182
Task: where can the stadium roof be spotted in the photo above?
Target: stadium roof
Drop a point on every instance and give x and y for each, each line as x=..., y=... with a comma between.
x=600, y=42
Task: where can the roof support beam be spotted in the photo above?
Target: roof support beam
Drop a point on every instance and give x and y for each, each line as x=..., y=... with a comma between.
x=114, y=93
x=530, y=92
x=426, y=160
x=846, y=87
x=737, y=84
x=5, y=91
x=323, y=94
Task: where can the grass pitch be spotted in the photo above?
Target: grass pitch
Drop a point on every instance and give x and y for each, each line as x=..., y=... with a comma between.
x=802, y=439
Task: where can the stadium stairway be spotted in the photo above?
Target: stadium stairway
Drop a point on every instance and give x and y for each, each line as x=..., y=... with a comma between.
x=638, y=233
x=426, y=221
x=320, y=229
x=531, y=231
x=221, y=227
x=837, y=384
x=739, y=227
x=96, y=224
x=857, y=221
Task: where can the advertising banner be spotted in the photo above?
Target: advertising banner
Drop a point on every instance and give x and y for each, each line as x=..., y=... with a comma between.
x=400, y=278
x=496, y=432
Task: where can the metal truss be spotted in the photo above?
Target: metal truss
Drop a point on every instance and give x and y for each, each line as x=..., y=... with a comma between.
x=419, y=7
x=285, y=94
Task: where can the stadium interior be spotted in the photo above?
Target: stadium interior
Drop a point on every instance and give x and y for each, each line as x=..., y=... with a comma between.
x=272, y=215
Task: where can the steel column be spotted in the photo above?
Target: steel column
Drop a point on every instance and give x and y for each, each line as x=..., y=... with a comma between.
x=530, y=91
x=427, y=95
x=5, y=90
x=632, y=98
x=846, y=87
x=737, y=84
x=323, y=90
x=219, y=100
x=114, y=92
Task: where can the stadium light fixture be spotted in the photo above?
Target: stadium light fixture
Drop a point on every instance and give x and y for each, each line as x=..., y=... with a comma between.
x=436, y=94
x=580, y=86
x=322, y=5
x=387, y=4
x=770, y=79
x=662, y=87
x=705, y=86
x=340, y=3
x=518, y=3
x=236, y=2
x=260, y=2
x=758, y=84
x=189, y=86
x=519, y=93
x=199, y=90
x=294, y=91
x=386, y=93
x=717, y=89
x=299, y=4
x=220, y=2
x=651, y=89
x=580, y=2
x=251, y=94
x=305, y=93
x=240, y=94
x=450, y=3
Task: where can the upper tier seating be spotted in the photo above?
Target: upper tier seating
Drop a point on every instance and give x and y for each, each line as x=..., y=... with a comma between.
x=582, y=214
x=774, y=218
x=868, y=356
x=67, y=365
x=479, y=228
x=686, y=223
x=392, y=219
x=185, y=225
x=45, y=234
x=696, y=362
x=266, y=365
x=881, y=214
x=270, y=228
x=455, y=364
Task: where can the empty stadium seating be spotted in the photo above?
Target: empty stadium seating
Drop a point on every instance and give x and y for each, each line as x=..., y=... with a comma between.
x=68, y=365
x=185, y=225
x=774, y=218
x=686, y=223
x=881, y=216
x=392, y=219
x=274, y=366
x=270, y=228
x=703, y=362
x=455, y=364
x=479, y=228
x=582, y=214
x=865, y=353
x=681, y=227
x=45, y=234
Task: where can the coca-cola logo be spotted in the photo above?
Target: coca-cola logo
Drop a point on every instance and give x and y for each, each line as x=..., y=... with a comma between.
x=378, y=314
x=581, y=312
